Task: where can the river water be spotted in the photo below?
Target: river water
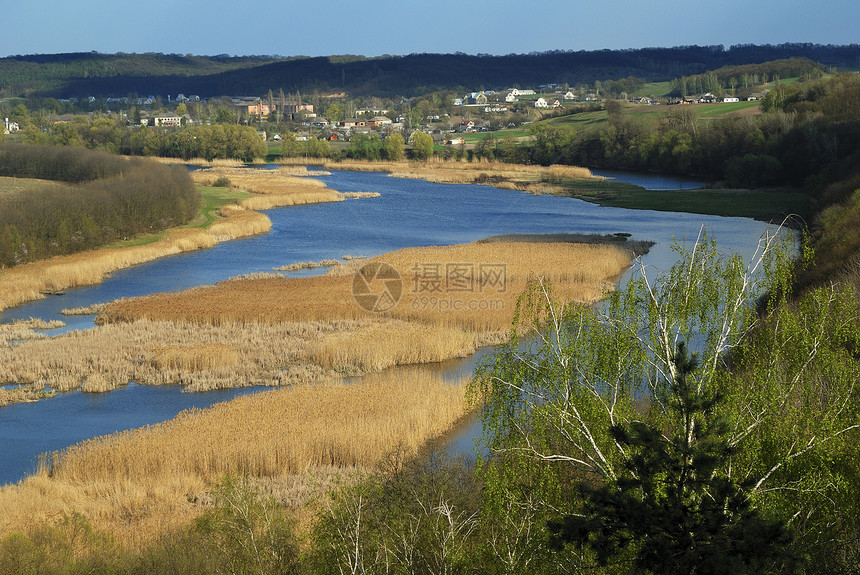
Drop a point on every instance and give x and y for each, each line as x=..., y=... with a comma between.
x=407, y=213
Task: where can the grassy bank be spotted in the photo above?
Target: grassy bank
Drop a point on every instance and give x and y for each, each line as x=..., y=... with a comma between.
x=138, y=484
x=226, y=212
x=764, y=205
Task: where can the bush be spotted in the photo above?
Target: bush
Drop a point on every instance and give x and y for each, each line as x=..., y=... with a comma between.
x=108, y=199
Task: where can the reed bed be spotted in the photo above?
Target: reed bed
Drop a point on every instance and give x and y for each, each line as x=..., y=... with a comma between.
x=294, y=267
x=216, y=163
x=138, y=483
x=159, y=353
x=32, y=281
x=583, y=273
x=529, y=178
x=22, y=330
x=271, y=188
x=271, y=330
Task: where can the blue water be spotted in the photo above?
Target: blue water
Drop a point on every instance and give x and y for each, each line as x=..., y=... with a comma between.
x=408, y=213
x=652, y=181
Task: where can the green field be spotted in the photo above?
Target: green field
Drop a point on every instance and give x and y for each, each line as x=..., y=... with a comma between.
x=766, y=205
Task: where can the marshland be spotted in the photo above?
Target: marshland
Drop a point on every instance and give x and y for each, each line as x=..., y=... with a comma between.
x=189, y=320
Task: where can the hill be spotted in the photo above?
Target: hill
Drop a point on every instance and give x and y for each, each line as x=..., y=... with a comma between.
x=92, y=74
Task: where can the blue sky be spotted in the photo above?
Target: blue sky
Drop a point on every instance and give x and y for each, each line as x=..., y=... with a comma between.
x=376, y=27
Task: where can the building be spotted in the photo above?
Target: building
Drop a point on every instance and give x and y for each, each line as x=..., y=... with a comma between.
x=168, y=120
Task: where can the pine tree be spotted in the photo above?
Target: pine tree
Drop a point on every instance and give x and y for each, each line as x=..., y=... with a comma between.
x=675, y=510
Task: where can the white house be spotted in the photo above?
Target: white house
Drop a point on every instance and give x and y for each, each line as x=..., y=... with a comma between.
x=10, y=127
x=541, y=103
x=731, y=99
x=569, y=96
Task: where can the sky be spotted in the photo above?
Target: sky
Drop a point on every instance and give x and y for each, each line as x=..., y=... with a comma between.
x=377, y=27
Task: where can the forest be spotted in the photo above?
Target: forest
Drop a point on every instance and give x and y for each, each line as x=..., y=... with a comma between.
x=102, y=75
x=103, y=198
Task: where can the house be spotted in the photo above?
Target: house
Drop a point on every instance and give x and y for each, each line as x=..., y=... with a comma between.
x=755, y=96
x=511, y=98
x=353, y=123
x=259, y=109
x=476, y=99
x=518, y=92
x=728, y=99
x=10, y=127
x=541, y=103
x=569, y=96
x=168, y=120
x=379, y=122
x=456, y=141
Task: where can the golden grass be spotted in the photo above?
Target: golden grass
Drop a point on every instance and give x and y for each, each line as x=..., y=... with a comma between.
x=581, y=273
x=271, y=188
x=294, y=267
x=136, y=484
x=528, y=178
x=270, y=330
x=216, y=163
x=21, y=330
x=157, y=353
x=30, y=281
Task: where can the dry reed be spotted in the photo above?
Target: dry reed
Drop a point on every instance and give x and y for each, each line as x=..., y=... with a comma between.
x=271, y=188
x=581, y=273
x=528, y=178
x=271, y=330
x=137, y=484
x=294, y=267
x=31, y=281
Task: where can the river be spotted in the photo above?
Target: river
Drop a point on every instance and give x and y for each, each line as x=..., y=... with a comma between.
x=407, y=213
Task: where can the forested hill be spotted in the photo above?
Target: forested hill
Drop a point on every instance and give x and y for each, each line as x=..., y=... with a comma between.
x=92, y=74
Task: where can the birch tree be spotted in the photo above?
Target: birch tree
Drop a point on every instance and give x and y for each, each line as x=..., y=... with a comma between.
x=571, y=375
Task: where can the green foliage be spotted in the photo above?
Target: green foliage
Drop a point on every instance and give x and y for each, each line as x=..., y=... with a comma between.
x=69, y=546
x=422, y=145
x=248, y=533
x=222, y=182
x=674, y=505
x=417, y=516
x=600, y=398
x=394, y=147
x=108, y=198
x=366, y=147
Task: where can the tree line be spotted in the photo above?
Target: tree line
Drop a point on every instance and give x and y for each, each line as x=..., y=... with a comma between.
x=809, y=128
x=82, y=75
x=107, y=198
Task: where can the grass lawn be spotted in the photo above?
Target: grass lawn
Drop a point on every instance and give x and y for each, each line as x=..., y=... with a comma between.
x=763, y=205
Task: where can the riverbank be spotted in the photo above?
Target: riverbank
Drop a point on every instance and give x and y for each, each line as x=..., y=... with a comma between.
x=768, y=204
x=225, y=214
x=445, y=302
x=304, y=333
